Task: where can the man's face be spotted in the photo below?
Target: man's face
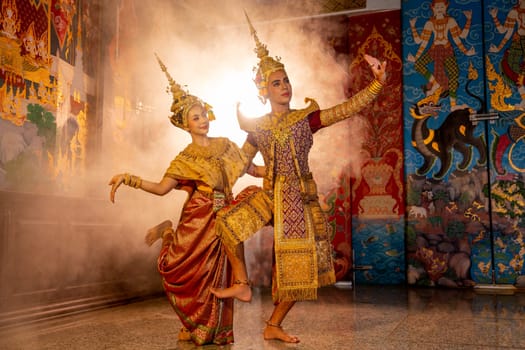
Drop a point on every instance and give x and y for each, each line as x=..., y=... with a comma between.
x=279, y=87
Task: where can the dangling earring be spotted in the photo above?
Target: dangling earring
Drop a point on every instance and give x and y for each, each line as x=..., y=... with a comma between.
x=263, y=92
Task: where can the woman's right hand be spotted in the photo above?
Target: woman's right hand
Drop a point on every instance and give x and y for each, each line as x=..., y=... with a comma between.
x=115, y=182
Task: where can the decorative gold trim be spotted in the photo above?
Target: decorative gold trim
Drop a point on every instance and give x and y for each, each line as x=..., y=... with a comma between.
x=286, y=120
x=351, y=106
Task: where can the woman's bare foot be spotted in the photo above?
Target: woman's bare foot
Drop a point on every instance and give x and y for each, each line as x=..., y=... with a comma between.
x=274, y=331
x=184, y=334
x=156, y=232
x=240, y=290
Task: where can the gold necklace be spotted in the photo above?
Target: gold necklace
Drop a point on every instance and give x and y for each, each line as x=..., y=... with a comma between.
x=280, y=130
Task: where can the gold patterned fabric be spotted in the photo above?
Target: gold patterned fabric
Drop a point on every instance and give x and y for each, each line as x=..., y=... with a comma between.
x=251, y=211
x=288, y=199
x=210, y=166
x=193, y=259
x=303, y=260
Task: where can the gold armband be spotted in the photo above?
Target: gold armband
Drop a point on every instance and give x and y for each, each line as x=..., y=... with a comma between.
x=249, y=150
x=351, y=106
x=132, y=180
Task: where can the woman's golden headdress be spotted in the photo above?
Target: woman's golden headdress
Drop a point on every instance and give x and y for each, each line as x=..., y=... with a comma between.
x=182, y=101
x=267, y=64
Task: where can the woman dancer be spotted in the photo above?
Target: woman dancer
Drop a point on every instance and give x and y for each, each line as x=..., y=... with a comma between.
x=192, y=259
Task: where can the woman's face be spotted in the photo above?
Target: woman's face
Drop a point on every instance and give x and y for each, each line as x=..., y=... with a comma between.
x=279, y=87
x=198, y=122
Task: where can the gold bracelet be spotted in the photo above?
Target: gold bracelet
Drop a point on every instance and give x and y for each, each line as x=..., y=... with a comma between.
x=136, y=181
x=127, y=179
x=132, y=180
x=375, y=87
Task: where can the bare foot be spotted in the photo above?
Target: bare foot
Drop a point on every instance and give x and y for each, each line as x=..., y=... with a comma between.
x=273, y=331
x=184, y=334
x=156, y=232
x=239, y=290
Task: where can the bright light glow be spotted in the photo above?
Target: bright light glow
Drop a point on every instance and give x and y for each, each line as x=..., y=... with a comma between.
x=229, y=91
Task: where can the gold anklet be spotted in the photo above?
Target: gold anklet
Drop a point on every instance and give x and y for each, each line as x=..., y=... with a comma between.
x=269, y=324
x=245, y=282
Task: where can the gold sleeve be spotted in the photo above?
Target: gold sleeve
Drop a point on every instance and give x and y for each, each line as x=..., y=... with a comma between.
x=351, y=106
x=249, y=150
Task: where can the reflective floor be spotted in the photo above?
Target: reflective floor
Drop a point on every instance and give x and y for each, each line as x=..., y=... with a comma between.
x=368, y=317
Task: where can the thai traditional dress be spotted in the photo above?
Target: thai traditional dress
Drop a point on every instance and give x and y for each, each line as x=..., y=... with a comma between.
x=193, y=259
x=288, y=199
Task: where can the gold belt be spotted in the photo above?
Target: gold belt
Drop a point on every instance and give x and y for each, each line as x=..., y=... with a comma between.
x=219, y=198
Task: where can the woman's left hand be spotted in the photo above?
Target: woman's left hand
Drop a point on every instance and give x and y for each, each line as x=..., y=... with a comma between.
x=377, y=67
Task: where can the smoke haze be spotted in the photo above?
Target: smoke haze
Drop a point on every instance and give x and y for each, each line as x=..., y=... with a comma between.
x=207, y=47
x=211, y=52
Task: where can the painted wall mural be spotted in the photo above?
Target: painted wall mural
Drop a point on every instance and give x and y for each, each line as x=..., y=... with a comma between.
x=43, y=93
x=377, y=194
x=503, y=252
x=462, y=107
x=336, y=204
x=446, y=196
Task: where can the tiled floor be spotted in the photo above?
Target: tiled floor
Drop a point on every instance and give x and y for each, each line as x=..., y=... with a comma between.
x=368, y=317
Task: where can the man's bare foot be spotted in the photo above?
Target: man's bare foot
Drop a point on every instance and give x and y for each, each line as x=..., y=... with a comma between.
x=184, y=334
x=274, y=331
x=240, y=290
x=156, y=232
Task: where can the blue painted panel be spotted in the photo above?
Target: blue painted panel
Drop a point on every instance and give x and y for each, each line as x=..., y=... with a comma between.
x=378, y=251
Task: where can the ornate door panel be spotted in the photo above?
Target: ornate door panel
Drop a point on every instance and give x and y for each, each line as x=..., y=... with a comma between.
x=453, y=88
x=504, y=35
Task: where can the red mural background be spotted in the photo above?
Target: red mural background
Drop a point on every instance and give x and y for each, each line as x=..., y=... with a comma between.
x=378, y=35
x=377, y=191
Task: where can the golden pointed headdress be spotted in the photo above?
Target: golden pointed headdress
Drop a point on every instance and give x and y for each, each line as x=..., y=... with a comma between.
x=266, y=65
x=182, y=101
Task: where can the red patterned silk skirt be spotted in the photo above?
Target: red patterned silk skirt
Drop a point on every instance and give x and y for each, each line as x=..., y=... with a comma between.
x=191, y=263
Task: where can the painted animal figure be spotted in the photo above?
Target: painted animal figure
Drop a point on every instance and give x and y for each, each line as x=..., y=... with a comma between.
x=455, y=133
x=418, y=212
